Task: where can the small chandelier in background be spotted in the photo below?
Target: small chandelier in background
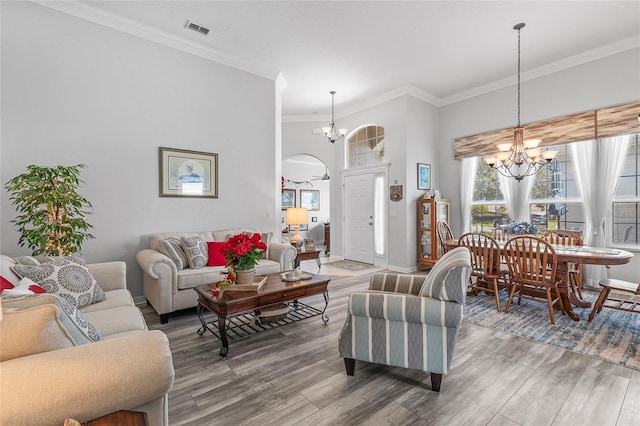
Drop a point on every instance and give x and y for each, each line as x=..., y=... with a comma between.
x=330, y=132
x=520, y=158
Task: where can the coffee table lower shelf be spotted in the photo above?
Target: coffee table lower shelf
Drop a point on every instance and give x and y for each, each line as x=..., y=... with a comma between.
x=240, y=326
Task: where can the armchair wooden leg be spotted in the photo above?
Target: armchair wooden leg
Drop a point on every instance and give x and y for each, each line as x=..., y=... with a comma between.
x=350, y=365
x=436, y=381
x=164, y=318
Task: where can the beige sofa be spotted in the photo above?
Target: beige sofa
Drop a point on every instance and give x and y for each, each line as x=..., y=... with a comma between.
x=169, y=289
x=50, y=377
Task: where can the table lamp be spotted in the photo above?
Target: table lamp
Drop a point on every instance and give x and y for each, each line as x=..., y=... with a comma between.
x=297, y=216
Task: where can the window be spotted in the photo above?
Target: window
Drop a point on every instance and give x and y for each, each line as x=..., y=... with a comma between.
x=625, y=211
x=555, y=202
x=488, y=208
x=555, y=198
x=366, y=146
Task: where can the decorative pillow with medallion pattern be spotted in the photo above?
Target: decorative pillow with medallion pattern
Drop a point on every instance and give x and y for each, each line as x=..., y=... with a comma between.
x=197, y=252
x=68, y=277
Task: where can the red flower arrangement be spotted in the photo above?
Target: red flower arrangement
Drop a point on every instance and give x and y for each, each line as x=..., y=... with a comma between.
x=243, y=251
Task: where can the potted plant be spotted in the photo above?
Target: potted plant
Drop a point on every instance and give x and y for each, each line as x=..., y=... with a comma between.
x=242, y=252
x=51, y=213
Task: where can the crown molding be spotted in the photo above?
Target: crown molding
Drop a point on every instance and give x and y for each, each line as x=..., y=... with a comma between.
x=405, y=90
x=129, y=26
x=554, y=67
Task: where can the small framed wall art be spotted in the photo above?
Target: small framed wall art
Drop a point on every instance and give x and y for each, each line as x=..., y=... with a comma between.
x=310, y=199
x=424, y=176
x=288, y=198
x=186, y=173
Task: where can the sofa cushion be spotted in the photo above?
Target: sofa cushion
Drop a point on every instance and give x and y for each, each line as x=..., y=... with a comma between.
x=117, y=320
x=79, y=328
x=68, y=277
x=190, y=278
x=196, y=251
x=172, y=248
x=26, y=286
x=31, y=331
x=113, y=299
x=216, y=258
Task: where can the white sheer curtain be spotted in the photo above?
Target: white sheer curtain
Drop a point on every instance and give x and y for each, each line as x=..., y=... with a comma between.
x=516, y=195
x=598, y=165
x=467, y=182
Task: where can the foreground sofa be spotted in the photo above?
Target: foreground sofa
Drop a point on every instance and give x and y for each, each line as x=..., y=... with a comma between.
x=55, y=373
x=409, y=321
x=169, y=289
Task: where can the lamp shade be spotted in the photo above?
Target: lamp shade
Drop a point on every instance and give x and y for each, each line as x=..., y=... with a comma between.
x=297, y=216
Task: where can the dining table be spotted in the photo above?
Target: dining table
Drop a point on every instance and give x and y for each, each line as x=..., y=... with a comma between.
x=568, y=254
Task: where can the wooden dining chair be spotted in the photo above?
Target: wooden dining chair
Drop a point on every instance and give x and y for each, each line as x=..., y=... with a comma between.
x=606, y=301
x=444, y=235
x=485, y=263
x=532, y=264
x=568, y=238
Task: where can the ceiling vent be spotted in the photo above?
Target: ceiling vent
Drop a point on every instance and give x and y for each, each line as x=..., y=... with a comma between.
x=197, y=28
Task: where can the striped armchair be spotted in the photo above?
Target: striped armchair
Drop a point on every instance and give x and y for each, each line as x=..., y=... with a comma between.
x=409, y=321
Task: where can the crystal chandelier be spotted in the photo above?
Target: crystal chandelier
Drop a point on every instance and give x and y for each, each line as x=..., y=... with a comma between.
x=330, y=132
x=520, y=158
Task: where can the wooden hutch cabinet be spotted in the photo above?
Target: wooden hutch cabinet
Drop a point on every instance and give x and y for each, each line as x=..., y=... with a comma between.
x=430, y=211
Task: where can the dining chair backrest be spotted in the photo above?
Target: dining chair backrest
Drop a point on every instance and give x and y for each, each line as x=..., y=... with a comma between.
x=444, y=235
x=563, y=237
x=531, y=260
x=485, y=252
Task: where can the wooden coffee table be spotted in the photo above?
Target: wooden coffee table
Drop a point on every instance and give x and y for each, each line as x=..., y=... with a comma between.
x=236, y=310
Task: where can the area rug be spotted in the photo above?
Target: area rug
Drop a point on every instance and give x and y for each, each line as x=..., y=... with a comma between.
x=350, y=265
x=612, y=335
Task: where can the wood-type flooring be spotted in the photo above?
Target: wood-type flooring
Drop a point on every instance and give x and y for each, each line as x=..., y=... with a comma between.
x=294, y=376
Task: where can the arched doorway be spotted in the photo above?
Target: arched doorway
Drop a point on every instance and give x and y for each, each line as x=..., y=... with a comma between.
x=307, y=179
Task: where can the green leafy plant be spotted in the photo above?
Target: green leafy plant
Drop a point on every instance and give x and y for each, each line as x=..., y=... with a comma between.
x=51, y=213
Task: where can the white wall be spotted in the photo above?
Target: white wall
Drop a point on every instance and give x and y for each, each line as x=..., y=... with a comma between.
x=609, y=81
x=77, y=92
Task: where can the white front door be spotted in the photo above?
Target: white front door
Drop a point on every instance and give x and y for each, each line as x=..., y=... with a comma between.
x=358, y=224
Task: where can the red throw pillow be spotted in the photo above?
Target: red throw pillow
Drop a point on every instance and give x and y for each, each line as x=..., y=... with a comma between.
x=26, y=286
x=215, y=257
x=5, y=284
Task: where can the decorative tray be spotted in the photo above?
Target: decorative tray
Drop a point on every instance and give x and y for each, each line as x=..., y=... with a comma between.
x=258, y=282
x=304, y=276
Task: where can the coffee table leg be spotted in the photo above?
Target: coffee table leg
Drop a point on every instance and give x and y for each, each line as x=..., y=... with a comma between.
x=325, y=317
x=199, y=311
x=222, y=328
x=319, y=264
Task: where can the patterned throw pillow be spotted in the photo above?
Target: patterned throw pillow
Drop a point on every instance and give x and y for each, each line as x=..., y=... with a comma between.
x=266, y=238
x=172, y=248
x=196, y=251
x=68, y=277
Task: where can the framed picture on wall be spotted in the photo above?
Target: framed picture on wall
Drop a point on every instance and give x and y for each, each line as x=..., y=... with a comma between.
x=310, y=199
x=188, y=173
x=424, y=176
x=288, y=198
x=303, y=227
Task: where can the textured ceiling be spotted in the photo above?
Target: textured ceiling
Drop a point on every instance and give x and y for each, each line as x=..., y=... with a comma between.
x=366, y=49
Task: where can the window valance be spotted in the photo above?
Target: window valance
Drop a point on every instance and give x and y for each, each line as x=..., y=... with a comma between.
x=601, y=123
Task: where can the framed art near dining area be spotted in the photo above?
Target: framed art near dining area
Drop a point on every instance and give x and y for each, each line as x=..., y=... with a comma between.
x=288, y=198
x=424, y=176
x=186, y=173
x=310, y=199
